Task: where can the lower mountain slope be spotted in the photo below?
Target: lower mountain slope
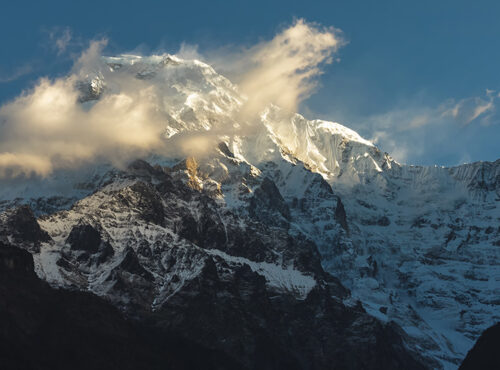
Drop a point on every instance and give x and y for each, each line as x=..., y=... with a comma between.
x=161, y=245
x=46, y=328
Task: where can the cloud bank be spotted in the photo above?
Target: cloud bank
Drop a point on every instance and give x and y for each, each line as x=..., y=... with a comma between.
x=48, y=127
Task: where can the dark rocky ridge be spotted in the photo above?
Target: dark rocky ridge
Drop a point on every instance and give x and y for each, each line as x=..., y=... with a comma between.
x=21, y=225
x=276, y=332
x=44, y=328
x=485, y=354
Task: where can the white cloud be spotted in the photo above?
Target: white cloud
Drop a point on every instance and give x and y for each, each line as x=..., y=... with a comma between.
x=282, y=71
x=47, y=128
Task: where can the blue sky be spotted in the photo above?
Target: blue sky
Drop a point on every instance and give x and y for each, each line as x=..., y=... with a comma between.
x=422, y=78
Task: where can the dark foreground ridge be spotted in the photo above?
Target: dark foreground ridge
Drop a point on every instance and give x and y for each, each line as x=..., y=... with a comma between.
x=485, y=354
x=45, y=328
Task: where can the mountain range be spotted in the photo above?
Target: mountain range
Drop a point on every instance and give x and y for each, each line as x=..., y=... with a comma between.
x=284, y=243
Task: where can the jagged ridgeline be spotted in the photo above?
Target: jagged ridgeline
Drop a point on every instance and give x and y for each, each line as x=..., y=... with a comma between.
x=286, y=244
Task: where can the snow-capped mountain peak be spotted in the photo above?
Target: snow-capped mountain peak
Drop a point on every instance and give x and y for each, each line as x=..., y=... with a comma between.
x=278, y=204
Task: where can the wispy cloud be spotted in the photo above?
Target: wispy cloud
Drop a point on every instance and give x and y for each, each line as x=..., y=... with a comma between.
x=16, y=73
x=60, y=39
x=63, y=41
x=473, y=109
x=283, y=70
x=189, y=51
x=57, y=39
x=412, y=130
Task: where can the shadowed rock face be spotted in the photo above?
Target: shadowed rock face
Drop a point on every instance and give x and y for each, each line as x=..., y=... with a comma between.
x=84, y=238
x=340, y=215
x=268, y=206
x=21, y=225
x=131, y=264
x=86, y=241
x=149, y=202
x=485, y=354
